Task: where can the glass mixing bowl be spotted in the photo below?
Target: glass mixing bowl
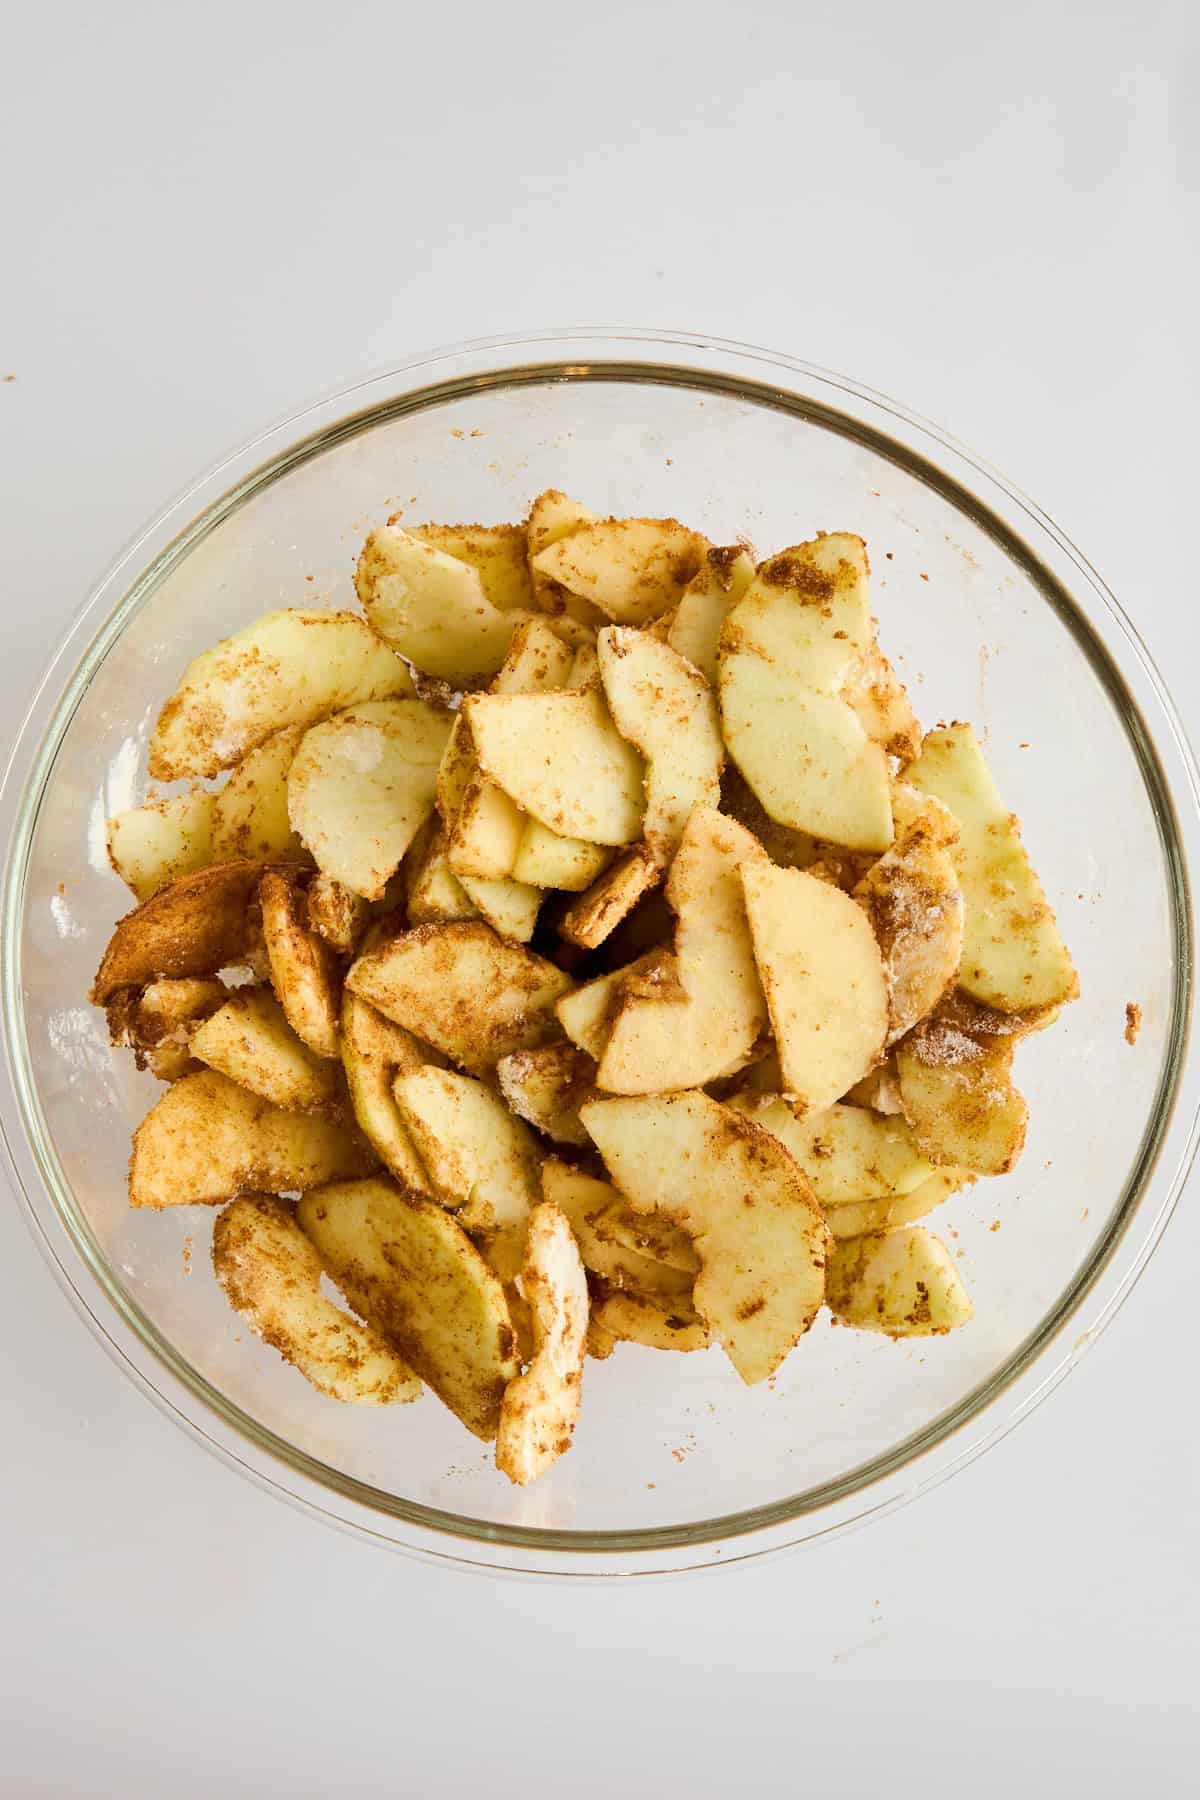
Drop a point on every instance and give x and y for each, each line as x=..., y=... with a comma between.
x=991, y=615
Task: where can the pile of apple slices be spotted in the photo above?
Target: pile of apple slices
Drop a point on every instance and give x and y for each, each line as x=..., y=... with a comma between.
x=582, y=946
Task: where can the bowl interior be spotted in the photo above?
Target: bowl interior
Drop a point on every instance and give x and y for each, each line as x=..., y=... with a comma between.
x=671, y=1444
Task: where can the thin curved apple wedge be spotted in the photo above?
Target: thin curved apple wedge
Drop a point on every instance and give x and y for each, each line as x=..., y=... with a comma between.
x=540, y=1407
x=209, y=1140
x=271, y=1275
x=290, y=667
x=759, y=1233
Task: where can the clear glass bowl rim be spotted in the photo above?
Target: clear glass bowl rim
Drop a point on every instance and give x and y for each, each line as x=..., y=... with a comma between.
x=1168, y=763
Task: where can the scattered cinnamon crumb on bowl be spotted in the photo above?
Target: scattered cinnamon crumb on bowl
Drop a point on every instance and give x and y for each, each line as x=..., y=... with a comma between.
x=1133, y=1021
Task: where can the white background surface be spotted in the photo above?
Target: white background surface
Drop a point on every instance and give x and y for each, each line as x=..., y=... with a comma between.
x=211, y=213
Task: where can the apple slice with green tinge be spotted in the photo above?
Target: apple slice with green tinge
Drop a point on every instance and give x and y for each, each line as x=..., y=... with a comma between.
x=1013, y=957
x=846, y=1152
x=904, y=1283
x=794, y=639
x=759, y=1233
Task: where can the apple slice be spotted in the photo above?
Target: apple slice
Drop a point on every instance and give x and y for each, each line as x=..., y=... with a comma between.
x=667, y=711
x=793, y=641
x=510, y=907
x=805, y=754
x=486, y=833
x=196, y=925
x=1013, y=957
x=485, y=826
x=471, y=994
x=478, y=1157
x=913, y=900
x=759, y=1233
x=583, y=1201
x=431, y=607
x=905, y=1284
x=882, y=702
x=337, y=915
x=880, y=699
x=939, y=1186
x=823, y=978
x=633, y=570
x=959, y=1098
x=807, y=612
x=609, y=900
x=156, y=1022
x=560, y=757
x=304, y=971
x=250, y=1040
x=586, y=1014
x=630, y=1318
x=540, y=1407
x=499, y=553
x=287, y=668
x=846, y=1152
x=880, y=1090
x=412, y=1272
x=208, y=1140
x=151, y=845
x=658, y=1043
x=374, y=1052
x=718, y=585
x=547, y=1086
x=432, y=891
x=250, y=813
x=790, y=849
x=362, y=784
x=271, y=1275
x=546, y=859
x=552, y=517
x=649, y=1234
